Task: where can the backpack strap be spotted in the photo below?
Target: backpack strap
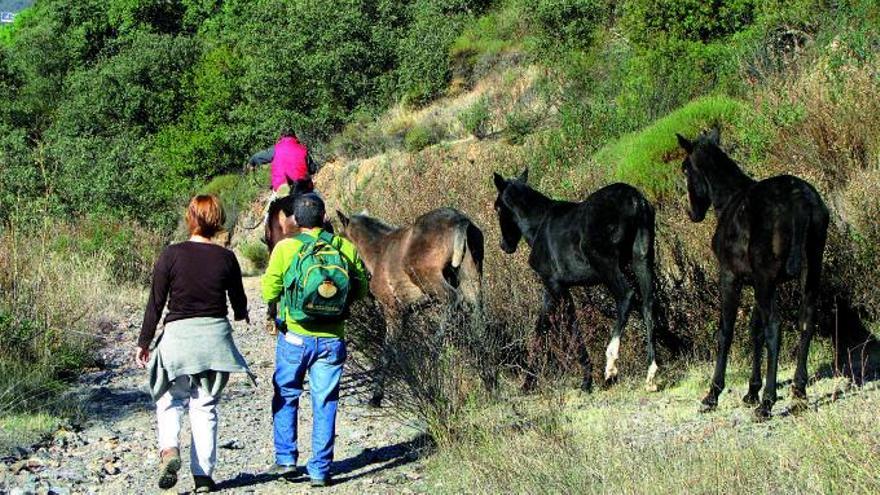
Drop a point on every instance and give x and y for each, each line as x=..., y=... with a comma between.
x=327, y=237
x=304, y=238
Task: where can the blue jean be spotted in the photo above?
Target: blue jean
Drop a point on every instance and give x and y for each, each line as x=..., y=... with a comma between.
x=322, y=358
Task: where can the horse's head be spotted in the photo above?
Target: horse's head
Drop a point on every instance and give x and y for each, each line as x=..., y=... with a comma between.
x=367, y=234
x=507, y=189
x=694, y=167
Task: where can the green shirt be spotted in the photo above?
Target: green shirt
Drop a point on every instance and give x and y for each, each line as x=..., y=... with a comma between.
x=273, y=285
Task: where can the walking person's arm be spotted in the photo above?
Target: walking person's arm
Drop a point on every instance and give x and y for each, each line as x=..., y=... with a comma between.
x=273, y=280
x=262, y=157
x=236, y=294
x=155, y=305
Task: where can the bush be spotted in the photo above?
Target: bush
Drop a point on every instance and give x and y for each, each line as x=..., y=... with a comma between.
x=54, y=291
x=423, y=135
x=467, y=357
x=475, y=119
x=566, y=24
x=695, y=20
x=256, y=253
x=518, y=125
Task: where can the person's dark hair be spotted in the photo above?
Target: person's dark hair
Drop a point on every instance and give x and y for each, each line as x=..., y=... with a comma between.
x=288, y=131
x=308, y=209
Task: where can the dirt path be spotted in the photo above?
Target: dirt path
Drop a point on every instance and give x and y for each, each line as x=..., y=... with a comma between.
x=113, y=450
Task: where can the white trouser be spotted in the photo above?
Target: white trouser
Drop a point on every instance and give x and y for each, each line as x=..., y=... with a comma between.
x=203, y=422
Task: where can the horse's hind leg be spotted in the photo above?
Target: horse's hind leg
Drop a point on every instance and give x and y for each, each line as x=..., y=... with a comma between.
x=643, y=267
x=538, y=346
x=806, y=320
x=756, y=327
x=731, y=292
x=393, y=323
x=623, y=295
x=765, y=295
x=583, y=356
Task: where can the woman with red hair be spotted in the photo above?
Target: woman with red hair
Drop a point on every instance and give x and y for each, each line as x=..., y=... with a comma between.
x=193, y=356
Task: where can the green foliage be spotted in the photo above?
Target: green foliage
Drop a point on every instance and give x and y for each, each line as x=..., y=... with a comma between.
x=134, y=103
x=256, y=253
x=476, y=118
x=418, y=138
x=489, y=35
x=237, y=192
x=650, y=159
x=565, y=24
x=423, y=51
x=694, y=20
x=518, y=125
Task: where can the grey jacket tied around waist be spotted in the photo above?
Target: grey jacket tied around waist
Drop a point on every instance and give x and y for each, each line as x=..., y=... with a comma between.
x=202, y=347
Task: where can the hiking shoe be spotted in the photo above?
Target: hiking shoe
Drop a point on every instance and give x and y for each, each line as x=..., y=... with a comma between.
x=169, y=465
x=320, y=482
x=204, y=484
x=286, y=471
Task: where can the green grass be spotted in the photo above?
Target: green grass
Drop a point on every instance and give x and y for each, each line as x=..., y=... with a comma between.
x=625, y=440
x=25, y=429
x=650, y=158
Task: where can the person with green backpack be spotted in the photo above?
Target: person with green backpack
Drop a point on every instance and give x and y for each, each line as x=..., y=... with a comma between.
x=314, y=276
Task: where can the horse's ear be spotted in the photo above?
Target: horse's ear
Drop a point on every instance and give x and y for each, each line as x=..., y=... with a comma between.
x=500, y=183
x=684, y=143
x=342, y=218
x=524, y=176
x=714, y=136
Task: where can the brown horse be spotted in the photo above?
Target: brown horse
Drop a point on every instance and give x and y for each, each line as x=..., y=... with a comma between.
x=273, y=233
x=438, y=259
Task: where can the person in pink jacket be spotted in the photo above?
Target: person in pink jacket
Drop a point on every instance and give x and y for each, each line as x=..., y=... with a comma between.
x=291, y=165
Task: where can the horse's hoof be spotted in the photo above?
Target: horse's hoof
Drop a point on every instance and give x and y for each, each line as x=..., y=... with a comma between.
x=798, y=393
x=610, y=381
x=529, y=385
x=799, y=404
x=762, y=413
x=587, y=386
x=708, y=404
x=375, y=402
x=751, y=399
x=651, y=387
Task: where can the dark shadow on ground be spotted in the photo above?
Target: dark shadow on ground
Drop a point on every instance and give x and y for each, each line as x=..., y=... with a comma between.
x=346, y=470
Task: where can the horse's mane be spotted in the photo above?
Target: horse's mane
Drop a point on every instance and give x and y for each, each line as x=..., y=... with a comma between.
x=529, y=197
x=374, y=225
x=720, y=160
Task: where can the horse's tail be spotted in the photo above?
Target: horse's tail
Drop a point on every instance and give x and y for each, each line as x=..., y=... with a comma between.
x=467, y=258
x=459, y=244
x=800, y=226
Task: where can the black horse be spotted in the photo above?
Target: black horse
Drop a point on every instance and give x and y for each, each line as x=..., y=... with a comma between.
x=768, y=232
x=583, y=244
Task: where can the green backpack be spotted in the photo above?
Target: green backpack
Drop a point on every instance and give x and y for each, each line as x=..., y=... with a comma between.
x=316, y=284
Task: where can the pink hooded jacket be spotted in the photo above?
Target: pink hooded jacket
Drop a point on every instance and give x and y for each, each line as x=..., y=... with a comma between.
x=289, y=162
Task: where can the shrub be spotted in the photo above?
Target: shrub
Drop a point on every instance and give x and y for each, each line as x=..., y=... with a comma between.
x=476, y=118
x=518, y=125
x=256, y=253
x=54, y=290
x=423, y=135
x=565, y=24
x=695, y=20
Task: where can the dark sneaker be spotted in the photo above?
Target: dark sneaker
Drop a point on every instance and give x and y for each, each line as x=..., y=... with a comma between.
x=169, y=465
x=320, y=482
x=204, y=484
x=286, y=471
